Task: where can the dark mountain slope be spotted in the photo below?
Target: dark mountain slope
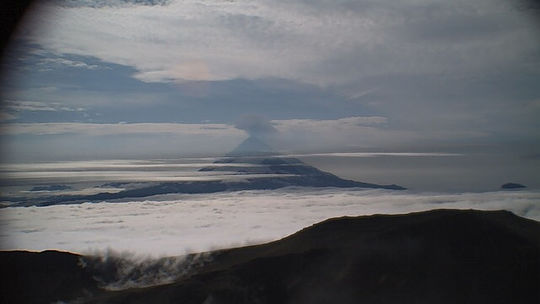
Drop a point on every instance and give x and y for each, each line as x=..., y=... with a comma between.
x=45, y=277
x=440, y=256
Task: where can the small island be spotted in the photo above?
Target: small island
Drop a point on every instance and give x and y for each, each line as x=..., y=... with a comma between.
x=513, y=186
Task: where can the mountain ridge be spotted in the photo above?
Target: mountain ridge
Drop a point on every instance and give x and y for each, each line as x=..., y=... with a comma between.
x=443, y=256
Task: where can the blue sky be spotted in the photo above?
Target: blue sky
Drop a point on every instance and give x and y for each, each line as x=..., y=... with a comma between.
x=98, y=79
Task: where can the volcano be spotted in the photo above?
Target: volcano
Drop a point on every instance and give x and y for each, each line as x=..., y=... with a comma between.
x=252, y=160
x=252, y=146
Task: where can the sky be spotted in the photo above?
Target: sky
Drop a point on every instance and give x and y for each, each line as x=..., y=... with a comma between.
x=323, y=80
x=95, y=79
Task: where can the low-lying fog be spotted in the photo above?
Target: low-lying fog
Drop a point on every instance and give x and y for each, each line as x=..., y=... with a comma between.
x=176, y=224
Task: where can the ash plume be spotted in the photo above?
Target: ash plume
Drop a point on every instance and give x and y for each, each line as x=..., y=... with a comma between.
x=256, y=126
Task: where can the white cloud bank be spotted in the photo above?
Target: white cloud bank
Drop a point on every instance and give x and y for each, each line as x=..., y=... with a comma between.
x=310, y=41
x=176, y=224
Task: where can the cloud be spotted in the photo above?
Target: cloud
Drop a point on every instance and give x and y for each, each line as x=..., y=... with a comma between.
x=434, y=69
x=53, y=62
x=73, y=140
x=109, y=3
x=115, y=270
x=23, y=142
x=343, y=134
x=310, y=41
x=375, y=154
x=255, y=125
x=178, y=224
x=341, y=123
x=19, y=106
x=297, y=136
x=293, y=135
x=117, y=129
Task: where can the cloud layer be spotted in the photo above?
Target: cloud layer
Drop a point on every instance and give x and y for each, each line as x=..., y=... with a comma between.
x=312, y=41
x=116, y=129
x=427, y=73
x=176, y=224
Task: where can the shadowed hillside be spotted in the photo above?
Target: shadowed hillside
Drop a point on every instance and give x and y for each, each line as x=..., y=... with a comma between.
x=439, y=256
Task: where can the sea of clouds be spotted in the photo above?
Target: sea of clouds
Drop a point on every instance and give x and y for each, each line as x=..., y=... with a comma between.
x=170, y=225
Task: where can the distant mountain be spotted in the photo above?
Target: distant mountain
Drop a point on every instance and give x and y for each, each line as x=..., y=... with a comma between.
x=294, y=171
x=252, y=146
x=263, y=172
x=438, y=256
x=268, y=173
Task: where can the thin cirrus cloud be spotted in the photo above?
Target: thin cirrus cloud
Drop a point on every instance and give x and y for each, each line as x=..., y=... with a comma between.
x=346, y=122
x=13, y=108
x=251, y=125
x=284, y=136
x=117, y=129
x=33, y=106
x=300, y=135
